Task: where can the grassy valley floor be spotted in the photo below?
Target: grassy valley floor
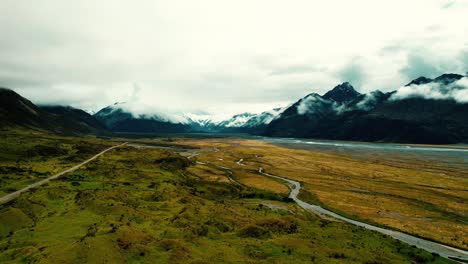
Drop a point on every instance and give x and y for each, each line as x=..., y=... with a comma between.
x=147, y=205
x=424, y=198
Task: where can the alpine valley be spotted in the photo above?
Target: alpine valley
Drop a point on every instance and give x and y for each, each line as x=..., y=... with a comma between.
x=423, y=111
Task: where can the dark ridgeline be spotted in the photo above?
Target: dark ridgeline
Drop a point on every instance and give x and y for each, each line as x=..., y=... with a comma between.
x=344, y=114
x=17, y=111
x=118, y=120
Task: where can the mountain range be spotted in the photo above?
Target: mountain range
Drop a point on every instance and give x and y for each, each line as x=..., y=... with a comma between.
x=17, y=111
x=423, y=111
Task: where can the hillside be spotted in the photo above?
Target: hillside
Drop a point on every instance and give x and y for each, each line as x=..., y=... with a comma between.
x=424, y=111
x=17, y=111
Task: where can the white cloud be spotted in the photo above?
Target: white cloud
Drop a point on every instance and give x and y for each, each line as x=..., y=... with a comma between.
x=311, y=103
x=217, y=56
x=457, y=91
x=369, y=101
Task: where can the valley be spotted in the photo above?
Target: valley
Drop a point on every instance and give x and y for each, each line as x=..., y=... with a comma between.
x=204, y=200
x=200, y=132
x=140, y=187
x=426, y=198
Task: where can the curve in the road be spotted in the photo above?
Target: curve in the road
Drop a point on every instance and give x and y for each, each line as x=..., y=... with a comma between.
x=433, y=247
x=14, y=195
x=240, y=162
x=445, y=251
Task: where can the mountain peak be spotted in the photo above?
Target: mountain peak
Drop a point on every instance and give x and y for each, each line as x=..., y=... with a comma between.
x=448, y=78
x=444, y=79
x=246, y=114
x=315, y=95
x=8, y=92
x=342, y=93
x=419, y=81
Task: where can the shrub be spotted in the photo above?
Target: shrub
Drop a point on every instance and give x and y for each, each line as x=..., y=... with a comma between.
x=254, y=231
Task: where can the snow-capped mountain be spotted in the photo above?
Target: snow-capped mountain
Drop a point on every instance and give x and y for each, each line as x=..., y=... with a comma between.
x=423, y=111
x=118, y=117
x=264, y=118
x=237, y=120
x=341, y=113
x=342, y=93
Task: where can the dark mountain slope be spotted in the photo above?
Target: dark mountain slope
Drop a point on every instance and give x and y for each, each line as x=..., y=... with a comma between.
x=304, y=117
x=344, y=114
x=342, y=93
x=118, y=120
x=17, y=111
x=72, y=119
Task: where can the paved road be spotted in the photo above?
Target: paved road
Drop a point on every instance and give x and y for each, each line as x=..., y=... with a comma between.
x=16, y=194
x=433, y=247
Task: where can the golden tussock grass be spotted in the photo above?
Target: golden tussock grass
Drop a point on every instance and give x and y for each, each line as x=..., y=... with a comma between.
x=421, y=197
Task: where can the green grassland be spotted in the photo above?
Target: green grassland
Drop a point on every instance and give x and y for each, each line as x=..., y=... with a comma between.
x=147, y=206
x=28, y=156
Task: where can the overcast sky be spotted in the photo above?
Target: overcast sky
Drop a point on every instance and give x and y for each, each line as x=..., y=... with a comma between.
x=222, y=57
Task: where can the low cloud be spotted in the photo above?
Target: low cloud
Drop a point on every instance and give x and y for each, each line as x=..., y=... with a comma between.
x=370, y=101
x=153, y=112
x=448, y=4
x=457, y=91
x=311, y=104
x=88, y=54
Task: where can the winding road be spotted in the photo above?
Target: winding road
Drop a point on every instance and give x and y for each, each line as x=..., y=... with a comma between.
x=295, y=187
x=433, y=247
x=240, y=162
x=14, y=195
x=445, y=251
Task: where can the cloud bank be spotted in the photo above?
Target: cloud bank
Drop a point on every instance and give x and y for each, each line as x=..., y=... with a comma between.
x=457, y=91
x=220, y=57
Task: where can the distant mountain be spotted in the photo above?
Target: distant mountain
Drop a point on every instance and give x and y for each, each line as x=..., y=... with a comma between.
x=236, y=121
x=117, y=119
x=423, y=111
x=448, y=78
x=444, y=79
x=248, y=122
x=342, y=93
x=263, y=118
x=413, y=114
x=302, y=117
x=77, y=120
x=17, y=111
x=419, y=81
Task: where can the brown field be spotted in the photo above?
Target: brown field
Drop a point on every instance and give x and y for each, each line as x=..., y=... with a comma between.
x=424, y=198
x=208, y=174
x=260, y=182
x=141, y=205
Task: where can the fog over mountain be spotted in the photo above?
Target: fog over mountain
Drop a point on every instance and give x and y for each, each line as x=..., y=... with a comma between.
x=437, y=89
x=219, y=58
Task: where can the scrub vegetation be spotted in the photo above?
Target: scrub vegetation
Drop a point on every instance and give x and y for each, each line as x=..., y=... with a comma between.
x=426, y=198
x=141, y=205
x=27, y=156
